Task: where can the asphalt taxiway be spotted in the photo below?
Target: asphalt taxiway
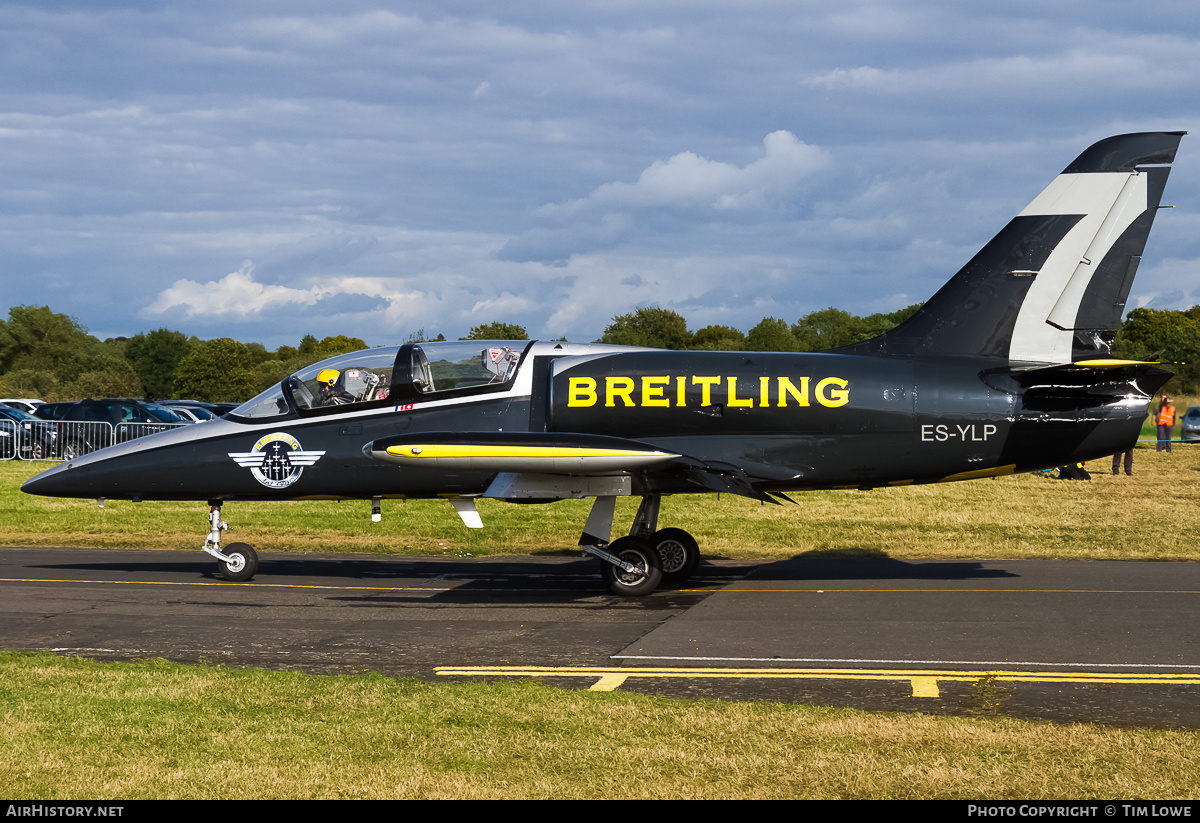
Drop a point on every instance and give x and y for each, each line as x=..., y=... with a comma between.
x=1091, y=641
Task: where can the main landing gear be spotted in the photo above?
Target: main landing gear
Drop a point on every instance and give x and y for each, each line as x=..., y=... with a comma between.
x=238, y=561
x=633, y=566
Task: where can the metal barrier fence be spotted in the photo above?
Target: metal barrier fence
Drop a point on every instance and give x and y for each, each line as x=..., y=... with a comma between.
x=8, y=440
x=65, y=439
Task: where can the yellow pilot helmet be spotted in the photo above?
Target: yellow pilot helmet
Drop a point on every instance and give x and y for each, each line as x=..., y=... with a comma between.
x=328, y=376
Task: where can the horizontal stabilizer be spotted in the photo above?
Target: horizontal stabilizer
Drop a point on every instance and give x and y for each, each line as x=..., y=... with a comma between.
x=1102, y=379
x=1113, y=364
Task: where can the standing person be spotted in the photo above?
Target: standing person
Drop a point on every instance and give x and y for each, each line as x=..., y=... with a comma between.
x=1166, y=423
x=1128, y=463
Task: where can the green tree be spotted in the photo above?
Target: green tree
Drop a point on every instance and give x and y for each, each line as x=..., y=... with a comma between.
x=718, y=338
x=497, y=331
x=117, y=380
x=339, y=344
x=876, y=324
x=828, y=329
x=154, y=357
x=217, y=370
x=258, y=353
x=650, y=326
x=32, y=383
x=36, y=338
x=419, y=336
x=1147, y=332
x=771, y=335
x=1169, y=337
x=269, y=372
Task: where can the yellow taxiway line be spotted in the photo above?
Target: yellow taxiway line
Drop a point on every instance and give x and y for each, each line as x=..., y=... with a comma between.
x=924, y=682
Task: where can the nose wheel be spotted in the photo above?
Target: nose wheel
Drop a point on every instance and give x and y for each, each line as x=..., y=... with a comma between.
x=238, y=561
x=242, y=562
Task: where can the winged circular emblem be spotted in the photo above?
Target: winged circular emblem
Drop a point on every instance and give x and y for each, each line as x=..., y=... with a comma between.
x=277, y=460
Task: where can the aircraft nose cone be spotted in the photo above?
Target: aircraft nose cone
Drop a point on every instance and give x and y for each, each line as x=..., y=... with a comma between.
x=53, y=482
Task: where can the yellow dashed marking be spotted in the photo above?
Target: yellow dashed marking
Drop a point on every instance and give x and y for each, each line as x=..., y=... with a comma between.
x=924, y=682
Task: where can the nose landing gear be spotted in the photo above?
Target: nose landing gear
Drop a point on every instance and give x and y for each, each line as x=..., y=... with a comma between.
x=238, y=562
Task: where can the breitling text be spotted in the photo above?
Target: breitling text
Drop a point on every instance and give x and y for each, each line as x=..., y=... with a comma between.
x=682, y=391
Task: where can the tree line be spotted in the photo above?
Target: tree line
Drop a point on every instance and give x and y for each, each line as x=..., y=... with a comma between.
x=51, y=356
x=818, y=331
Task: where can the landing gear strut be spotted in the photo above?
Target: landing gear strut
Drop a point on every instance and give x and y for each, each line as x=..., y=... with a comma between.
x=678, y=550
x=238, y=562
x=633, y=566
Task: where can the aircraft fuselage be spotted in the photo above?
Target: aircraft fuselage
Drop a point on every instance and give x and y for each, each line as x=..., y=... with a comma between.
x=787, y=421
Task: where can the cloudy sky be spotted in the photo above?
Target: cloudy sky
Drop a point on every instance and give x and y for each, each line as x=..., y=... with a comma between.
x=262, y=169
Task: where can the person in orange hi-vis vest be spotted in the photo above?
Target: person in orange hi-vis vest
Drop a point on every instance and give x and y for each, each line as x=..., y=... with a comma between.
x=1166, y=422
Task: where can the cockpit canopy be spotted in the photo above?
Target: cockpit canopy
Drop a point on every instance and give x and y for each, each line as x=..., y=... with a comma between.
x=391, y=376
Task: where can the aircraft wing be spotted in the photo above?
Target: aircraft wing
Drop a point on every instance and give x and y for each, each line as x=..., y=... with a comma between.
x=529, y=462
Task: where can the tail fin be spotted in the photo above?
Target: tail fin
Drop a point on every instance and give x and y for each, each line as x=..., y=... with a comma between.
x=1051, y=286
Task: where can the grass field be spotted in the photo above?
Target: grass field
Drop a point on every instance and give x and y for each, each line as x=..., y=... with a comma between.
x=79, y=729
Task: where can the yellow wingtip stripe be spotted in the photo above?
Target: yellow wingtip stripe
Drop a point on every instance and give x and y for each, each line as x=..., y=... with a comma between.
x=432, y=450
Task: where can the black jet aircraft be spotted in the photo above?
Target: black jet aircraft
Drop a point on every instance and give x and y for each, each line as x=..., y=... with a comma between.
x=1006, y=369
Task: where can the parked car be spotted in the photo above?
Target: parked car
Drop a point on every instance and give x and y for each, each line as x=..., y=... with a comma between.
x=1190, y=430
x=195, y=410
x=25, y=404
x=193, y=414
x=31, y=438
x=87, y=425
x=53, y=411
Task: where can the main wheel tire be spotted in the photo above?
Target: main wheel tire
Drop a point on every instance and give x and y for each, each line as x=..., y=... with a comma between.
x=243, y=562
x=678, y=551
x=639, y=553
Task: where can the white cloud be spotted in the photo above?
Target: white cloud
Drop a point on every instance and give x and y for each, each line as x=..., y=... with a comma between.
x=1099, y=68
x=846, y=78
x=236, y=294
x=682, y=189
x=689, y=180
x=504, y=305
